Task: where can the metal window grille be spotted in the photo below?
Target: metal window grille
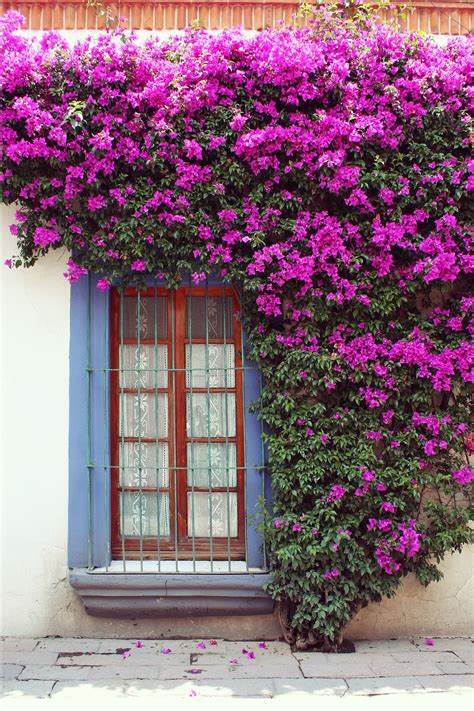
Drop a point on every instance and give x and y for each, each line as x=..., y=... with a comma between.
x=174, y=462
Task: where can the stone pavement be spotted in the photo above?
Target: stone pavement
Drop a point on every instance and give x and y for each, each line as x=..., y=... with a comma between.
x=70, y=673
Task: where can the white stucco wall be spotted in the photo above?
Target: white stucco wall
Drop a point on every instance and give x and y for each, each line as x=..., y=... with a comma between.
x=36, y=597
x=34, y=352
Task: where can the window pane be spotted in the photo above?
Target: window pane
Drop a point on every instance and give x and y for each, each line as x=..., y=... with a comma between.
x=135, y=503
x=221, y=527
x=151, y=359
x=148, y=317
x=214, y=363
x=208, y=415
x=196, y=316
x=142, y=422
x=154, y=459
x=223, y=464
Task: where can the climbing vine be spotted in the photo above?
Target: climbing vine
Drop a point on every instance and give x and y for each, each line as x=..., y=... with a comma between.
x=327, y=171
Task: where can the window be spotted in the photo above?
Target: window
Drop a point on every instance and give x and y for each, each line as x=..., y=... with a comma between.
x=177, y=443
x=165, y=456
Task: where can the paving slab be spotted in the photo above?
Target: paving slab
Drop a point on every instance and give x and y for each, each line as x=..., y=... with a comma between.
x=94, y=692
x=137, y=658
x=387, y=666
x=18, y=644
x=157, y=688
x=311, y=687
x=386, y=685
x=385, y=645
x=118, y=673
x=454, y=682
x=414, y=657
x=229, y=671
x=453, y=668
x=260, y=657
x=450, y=644
x=334, y=665
x=10, y=671
x=189, y=646
x=68, y=644
x=35, y=657
x=55, y=673
x=13, y=689
x=209, y=688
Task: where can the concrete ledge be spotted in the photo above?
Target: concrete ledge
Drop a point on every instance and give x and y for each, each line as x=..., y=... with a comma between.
x=183, y=595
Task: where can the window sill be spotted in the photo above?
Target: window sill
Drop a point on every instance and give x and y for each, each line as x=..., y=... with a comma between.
x=132, y=595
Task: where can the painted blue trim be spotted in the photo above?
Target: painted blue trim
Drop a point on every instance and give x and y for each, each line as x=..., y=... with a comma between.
x=78, y=499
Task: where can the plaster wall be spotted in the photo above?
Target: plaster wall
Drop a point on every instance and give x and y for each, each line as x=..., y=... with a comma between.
x=36, y=597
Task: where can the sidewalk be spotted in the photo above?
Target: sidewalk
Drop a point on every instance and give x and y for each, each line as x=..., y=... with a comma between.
x=65, y=673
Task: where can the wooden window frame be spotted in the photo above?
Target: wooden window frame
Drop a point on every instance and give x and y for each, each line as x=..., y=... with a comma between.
x=178, y=545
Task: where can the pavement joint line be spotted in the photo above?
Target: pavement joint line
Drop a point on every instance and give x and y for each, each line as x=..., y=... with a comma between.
x=52, y=689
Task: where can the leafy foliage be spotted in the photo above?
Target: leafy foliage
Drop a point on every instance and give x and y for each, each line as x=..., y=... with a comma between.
x=327, y=171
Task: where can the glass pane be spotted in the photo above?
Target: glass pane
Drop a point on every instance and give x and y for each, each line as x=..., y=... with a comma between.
x=196, y=316
x=154, y=459
x=221, y=527
x=136, y=504
x=148, y=317
x=223, y=464
x=209, y=413
x=151, y=359
x=214, y=362
x=150, y=420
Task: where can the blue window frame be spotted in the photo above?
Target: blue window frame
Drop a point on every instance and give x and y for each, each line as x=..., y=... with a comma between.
x=89, y=445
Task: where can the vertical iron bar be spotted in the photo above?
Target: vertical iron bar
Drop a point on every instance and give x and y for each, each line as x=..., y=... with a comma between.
x=227, y=422
x=173, y=367
x=89, y=464
x=122, y=433
x=157, y=445
x=191, y=425
x=245, y=513
x=208, y=423
x=138, y=373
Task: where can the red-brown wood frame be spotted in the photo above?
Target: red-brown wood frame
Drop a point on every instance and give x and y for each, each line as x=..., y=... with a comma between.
x=176, y=394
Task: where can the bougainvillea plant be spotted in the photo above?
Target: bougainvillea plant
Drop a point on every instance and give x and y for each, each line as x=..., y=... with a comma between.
x=327, y=171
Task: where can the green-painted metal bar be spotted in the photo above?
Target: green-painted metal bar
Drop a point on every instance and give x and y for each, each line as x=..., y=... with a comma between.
x=157, y=445
x=191, y=426
x=89, y=428
x=262, y=470
x=106, y=436
x=122, y=437
x=226, y=405
x=175, y=478
x=140, y=468
x=208, y=424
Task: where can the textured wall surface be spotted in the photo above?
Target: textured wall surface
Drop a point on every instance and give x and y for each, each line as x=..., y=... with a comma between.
x=433, y=17
x=36, y=597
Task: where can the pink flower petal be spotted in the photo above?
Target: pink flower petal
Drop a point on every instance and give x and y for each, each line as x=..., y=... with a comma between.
x=165, y=650
x=212, y=642
x=201, y=645
x=262, y=645
x=429, y=643
x=138, y=644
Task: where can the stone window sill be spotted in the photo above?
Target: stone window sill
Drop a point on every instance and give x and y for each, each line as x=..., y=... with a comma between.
x=132, y=595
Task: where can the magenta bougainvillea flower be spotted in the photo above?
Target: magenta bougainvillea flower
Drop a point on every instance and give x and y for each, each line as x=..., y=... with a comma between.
x=327, y=172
